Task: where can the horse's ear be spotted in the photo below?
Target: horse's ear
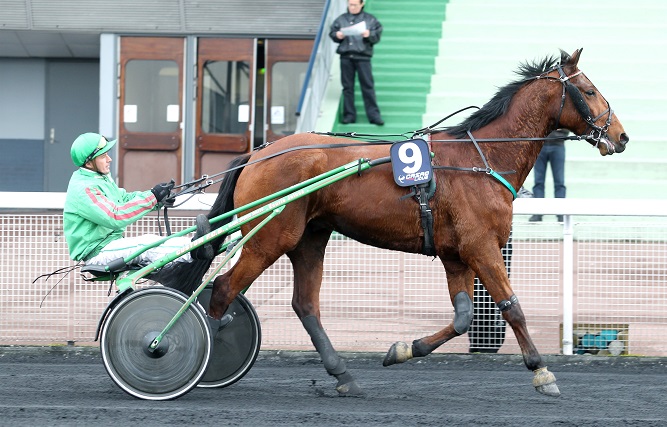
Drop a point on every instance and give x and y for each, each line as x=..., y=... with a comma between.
x=567, y=59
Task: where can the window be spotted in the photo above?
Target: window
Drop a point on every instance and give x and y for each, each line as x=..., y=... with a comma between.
x=225, y=97
x=151, y=96
x=286, y=83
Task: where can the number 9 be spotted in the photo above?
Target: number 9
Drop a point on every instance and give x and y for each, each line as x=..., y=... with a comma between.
x=415, y=157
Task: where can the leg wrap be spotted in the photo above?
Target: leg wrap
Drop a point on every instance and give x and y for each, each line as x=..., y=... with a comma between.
x=332, y=362
x=505, y=305
x=462, y=312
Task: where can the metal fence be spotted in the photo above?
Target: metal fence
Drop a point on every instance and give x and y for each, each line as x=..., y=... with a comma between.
x=602, y=280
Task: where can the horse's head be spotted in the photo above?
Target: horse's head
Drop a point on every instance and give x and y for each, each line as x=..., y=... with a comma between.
x=584, y=110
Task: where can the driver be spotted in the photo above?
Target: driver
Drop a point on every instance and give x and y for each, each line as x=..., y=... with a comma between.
x=97, y=211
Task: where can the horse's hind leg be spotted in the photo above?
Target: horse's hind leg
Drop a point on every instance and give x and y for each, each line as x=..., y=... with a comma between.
x=308, y=263
x=252, y=262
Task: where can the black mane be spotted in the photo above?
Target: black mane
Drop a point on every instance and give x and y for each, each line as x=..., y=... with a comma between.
x=498, y=105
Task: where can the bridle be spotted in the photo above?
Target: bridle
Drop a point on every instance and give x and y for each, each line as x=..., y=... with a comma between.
x=597, y=133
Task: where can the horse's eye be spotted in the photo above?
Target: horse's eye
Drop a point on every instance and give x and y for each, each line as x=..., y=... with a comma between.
x=590, y=92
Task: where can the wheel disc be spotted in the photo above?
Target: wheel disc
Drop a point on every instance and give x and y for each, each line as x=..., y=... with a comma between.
x=236, y=346
x=176, y=365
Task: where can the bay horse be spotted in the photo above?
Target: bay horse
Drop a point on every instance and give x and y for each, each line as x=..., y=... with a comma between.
x=471, y=212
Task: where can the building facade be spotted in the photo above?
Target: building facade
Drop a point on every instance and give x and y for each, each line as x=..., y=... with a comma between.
x=186, y=85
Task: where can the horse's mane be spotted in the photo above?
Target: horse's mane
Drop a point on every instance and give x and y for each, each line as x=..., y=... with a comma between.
x=498, y=105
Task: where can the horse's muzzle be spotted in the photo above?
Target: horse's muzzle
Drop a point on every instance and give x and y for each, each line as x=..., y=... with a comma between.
x=609, y=147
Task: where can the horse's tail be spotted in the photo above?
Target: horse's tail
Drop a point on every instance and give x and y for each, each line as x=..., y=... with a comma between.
x=225, y=200
x=187, y=276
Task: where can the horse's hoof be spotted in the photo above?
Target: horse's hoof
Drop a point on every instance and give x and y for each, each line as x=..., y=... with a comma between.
x=350, y=389
x=398, y=353
x=545, y=382
x=347, y=386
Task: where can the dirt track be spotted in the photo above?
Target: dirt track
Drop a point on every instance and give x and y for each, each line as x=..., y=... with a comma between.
x=69, y=386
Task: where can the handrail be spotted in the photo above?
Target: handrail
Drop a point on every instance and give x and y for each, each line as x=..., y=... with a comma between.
x=313, y=55
x=319, y=70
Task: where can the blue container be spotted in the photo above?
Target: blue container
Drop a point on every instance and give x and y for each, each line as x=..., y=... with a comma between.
x=600, y=342
x=588, y=341
x=609, y=334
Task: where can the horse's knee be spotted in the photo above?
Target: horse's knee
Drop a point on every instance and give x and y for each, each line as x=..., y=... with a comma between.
x=463, y=312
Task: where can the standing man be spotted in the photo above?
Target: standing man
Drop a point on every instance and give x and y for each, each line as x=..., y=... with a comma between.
x=553, y=151
x=356, y=32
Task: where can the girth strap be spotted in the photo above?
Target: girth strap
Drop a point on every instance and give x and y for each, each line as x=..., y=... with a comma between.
x=426, y=220
x=423, y=193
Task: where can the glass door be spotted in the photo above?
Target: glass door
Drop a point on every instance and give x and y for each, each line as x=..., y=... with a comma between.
x=151, y=98
x=286, y=66
x=225, y=101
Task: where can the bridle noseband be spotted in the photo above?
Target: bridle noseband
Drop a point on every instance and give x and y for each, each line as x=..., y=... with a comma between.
x=597, y=133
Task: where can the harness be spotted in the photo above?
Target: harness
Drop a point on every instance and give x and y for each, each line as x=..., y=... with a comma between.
x=487, y=169
x=422, y=193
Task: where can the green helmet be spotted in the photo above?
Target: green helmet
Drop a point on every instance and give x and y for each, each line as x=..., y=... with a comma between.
x=88, y=146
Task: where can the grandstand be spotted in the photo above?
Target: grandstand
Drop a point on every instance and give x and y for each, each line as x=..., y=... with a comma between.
x=484, y=41
x=403, y=64
x=437, y=56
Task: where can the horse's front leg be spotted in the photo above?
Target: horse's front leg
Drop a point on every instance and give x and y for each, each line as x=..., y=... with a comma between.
x=494, y=276
x=460, y=283
x=308, y=263
x=543, y=380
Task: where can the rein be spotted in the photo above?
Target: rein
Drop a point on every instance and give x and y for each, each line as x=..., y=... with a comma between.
x=199, y=185
x=597, y=133
x=191, y=188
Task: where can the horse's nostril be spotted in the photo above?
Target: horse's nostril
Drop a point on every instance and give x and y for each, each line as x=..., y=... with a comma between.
x=624, y=138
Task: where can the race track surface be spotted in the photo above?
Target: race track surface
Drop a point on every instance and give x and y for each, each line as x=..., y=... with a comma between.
x=65, y=386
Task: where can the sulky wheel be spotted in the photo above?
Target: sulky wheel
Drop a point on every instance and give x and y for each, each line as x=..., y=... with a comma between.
x=236, y=342
x=176, y=365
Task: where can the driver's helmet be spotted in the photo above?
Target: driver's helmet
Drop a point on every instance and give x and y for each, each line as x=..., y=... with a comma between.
x=88, y=146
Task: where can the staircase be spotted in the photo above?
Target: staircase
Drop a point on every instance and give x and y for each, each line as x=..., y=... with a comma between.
x=624, y=43
x=403, y=64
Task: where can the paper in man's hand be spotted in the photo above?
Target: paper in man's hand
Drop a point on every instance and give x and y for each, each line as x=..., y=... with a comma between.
x=354, y=30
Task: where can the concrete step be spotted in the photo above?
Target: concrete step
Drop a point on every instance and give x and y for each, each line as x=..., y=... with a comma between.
x=612, y=12
x=483, y=43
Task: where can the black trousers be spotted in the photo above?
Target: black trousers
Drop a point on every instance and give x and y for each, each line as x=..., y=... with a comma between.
x=487, y=331
x=348, y=68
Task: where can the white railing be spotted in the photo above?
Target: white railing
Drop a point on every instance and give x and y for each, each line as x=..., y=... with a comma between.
x=604, y=268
